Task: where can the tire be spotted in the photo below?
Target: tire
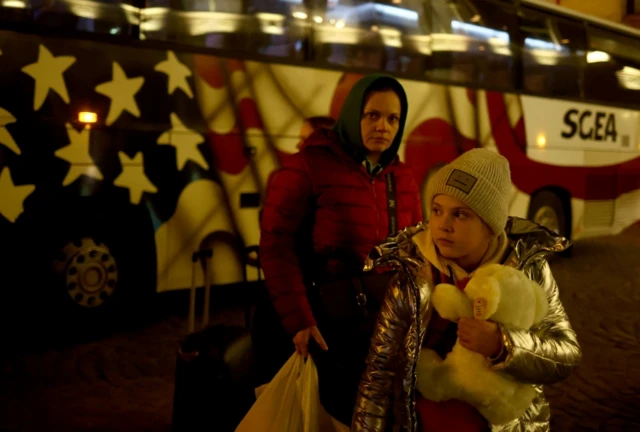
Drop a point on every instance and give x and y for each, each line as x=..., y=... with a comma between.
x=94, y=272
x=548, y=209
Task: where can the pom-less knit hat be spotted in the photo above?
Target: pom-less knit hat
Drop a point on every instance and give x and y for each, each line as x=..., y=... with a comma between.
x=481, y=179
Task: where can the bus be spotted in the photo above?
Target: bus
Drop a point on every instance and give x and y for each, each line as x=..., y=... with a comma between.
x=132, y=135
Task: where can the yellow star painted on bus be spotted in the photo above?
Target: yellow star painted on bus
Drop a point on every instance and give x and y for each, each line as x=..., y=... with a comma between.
x=185, y=141
x=133, y=177
x=12, y=202
x=122, y=91
x=47, y=72
x=77, y=154
x=7, y=118
x=177, y=74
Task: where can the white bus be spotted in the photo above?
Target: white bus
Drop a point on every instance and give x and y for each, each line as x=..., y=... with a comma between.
x=133, y=134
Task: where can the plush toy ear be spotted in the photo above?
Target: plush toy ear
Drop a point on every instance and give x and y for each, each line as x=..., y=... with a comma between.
x=450, y=302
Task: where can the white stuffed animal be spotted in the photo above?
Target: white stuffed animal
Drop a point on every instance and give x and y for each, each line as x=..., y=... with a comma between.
x=504, y=295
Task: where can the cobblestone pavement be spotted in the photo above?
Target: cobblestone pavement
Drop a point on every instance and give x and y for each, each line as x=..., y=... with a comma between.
x=125, y=382
x=600, y=288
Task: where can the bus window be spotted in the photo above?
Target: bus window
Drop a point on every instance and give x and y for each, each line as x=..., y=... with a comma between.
x=414, y=57
x=405, y=38
x=352, y=33
x=471, y=42
x=613, y=68
x=552, y=54
x=197, y=22
x=118, y=18
x=271, y=28
x=16, y=11
x=280, y=28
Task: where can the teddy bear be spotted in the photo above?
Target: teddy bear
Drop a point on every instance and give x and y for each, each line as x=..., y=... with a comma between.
x=506, y=296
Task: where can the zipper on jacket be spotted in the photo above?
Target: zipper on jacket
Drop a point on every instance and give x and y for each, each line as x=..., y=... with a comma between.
x=414, y=378
x=375, y=198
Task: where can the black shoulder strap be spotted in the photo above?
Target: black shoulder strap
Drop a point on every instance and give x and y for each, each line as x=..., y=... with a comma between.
x=391, y=204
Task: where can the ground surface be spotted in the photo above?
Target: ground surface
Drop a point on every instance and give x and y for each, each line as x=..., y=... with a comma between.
x=125, y=382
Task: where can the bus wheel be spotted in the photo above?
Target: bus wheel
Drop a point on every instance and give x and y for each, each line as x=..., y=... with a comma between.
x=547, y=216
x=547, y=209
x=89, y=270
x=552, y=212
x=98, y=271
x=98, y=284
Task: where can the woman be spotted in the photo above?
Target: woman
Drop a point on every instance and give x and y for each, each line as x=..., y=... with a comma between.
x=325, y=210
x=468, y=227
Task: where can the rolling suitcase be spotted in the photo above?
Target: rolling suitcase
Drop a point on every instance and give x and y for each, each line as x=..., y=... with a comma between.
x=214, y=386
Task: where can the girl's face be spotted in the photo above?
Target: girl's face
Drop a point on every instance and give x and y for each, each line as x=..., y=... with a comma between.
x=458, y=232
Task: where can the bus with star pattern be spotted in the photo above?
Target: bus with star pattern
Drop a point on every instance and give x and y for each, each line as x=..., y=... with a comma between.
x=133, y=133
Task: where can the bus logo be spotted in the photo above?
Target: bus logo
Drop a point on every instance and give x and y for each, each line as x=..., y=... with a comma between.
x=589, y=125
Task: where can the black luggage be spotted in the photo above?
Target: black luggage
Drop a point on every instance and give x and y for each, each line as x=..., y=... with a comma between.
x=214, y=383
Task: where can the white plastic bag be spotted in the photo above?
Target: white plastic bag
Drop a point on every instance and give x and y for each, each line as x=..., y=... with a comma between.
x=290, y=402
x=310, y=398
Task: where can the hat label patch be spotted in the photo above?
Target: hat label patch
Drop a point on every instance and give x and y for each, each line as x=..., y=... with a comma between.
x=461, y=180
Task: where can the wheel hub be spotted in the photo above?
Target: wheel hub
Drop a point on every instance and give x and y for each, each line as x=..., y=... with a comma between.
x=90, y=272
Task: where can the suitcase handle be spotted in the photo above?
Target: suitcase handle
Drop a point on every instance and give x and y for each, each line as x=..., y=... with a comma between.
x=207, y=254
x=247, y=304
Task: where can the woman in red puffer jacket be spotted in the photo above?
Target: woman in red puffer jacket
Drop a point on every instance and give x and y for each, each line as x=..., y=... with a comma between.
x=326, y=208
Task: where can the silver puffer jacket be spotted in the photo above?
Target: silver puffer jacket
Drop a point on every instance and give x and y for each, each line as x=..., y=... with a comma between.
x=545, y=354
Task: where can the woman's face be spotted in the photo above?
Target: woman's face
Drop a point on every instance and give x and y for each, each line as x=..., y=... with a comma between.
x=380, y=122
x=458, y=232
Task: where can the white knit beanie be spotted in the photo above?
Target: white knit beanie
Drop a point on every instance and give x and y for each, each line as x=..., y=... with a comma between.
x=481, y=179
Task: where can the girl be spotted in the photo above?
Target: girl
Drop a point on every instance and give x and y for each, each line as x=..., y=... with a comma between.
x=468, y=227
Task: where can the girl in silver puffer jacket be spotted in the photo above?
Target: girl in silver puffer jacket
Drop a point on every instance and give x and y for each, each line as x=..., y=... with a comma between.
x=469, y=227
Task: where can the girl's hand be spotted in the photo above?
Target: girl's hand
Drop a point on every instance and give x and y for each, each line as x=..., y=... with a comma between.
x=483, y=337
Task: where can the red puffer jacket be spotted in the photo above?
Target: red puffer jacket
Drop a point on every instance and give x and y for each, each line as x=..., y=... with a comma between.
x=349, y=218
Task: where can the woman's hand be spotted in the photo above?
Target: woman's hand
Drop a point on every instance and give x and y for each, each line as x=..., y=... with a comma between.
x=483, y=337
x=301, y=340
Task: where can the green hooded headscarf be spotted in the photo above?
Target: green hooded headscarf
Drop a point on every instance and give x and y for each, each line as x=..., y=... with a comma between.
x=348, y=125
